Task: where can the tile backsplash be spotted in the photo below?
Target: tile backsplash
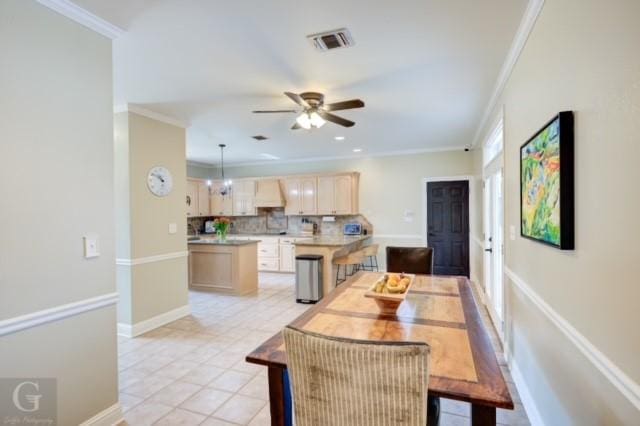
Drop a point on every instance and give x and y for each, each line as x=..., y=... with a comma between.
x=273, y=220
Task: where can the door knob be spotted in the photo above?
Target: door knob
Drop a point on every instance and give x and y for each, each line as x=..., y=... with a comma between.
x=489, y=250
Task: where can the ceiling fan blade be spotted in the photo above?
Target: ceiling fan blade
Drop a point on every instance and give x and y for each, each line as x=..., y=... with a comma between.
x=274, y=110
x=296, y=126
x=297, y=99
x=335, y=119
x=350, y=104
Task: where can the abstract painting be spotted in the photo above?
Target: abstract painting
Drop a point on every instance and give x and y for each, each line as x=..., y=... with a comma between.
x=546, y=184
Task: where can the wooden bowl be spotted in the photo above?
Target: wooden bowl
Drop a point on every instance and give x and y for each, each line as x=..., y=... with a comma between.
x=389, y=302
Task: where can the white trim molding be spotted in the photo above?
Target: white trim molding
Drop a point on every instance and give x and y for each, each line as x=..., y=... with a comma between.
x=45, y=316
x=108, y=417
x=133, y=330
x=83, y=17
x=622, y=382
x=151, y=259
x=534, y=7
x=525, y=394
x=136, y=109
x=398, y=236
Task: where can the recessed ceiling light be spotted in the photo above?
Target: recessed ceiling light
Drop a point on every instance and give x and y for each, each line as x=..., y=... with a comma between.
x=269, y=156
x=339, y=138
x=357, y=149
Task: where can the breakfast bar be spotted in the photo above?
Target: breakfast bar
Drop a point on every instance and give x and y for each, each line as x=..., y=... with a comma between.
x=330, y=247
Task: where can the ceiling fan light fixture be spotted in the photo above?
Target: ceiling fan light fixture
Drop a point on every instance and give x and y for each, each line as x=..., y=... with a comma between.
x=316, y=120
x=304, y=121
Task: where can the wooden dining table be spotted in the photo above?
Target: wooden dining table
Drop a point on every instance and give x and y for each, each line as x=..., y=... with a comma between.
x=438, y=310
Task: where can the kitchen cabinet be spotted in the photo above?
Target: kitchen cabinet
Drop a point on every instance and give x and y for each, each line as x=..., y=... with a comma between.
x=203, y=199
x=301, y=194
x=336, y=195
x=192, y=198
x=268, y=193
x=268, y=254
x=220, y=205
x=244, y=192
x=287, y=258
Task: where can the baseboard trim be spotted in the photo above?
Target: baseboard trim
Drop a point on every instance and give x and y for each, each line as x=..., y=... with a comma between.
x=622, y=382
x=151, y=259
x=45, y=316
x=525, y=394
x=109, y=417
x=127, y=330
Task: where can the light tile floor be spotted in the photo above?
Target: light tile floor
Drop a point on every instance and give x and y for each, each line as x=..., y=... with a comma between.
x=192, y=371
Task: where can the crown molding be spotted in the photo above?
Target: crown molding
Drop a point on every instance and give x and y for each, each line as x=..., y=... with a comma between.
x=397, y=153
x=83, y=17
x=199, y=164
x=150, y=114
x=519, y=41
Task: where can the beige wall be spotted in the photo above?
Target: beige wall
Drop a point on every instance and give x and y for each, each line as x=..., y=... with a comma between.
x=56, y=185
x=582, y=55
x=149, y=289
x=388, y=186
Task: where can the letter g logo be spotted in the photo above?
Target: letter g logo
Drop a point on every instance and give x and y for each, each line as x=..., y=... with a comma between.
x=33, y=399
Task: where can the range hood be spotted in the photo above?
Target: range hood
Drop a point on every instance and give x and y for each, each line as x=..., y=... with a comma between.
x=269, y=193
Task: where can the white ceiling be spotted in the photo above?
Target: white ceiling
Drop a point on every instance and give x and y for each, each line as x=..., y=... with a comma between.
x=424, y=68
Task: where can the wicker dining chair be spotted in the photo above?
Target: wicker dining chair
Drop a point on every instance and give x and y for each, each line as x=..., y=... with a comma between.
x=356, y=382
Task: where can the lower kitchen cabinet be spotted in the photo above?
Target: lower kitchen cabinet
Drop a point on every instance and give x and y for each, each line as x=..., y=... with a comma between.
x=287, y=258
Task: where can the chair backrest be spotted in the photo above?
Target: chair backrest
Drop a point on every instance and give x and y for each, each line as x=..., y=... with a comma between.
x=356, y=382
x=412, y=260
x=371, y=250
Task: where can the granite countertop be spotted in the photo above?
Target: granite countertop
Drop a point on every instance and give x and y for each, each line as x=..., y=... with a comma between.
x=227, y=242
x=332, y=240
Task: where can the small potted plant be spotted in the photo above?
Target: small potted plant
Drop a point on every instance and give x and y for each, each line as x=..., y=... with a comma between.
x=221, y=225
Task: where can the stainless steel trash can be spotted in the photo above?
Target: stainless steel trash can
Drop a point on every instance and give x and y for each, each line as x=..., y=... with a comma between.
x=308, y=278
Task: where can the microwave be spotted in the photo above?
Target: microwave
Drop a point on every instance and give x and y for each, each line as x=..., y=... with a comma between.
x=352, y=229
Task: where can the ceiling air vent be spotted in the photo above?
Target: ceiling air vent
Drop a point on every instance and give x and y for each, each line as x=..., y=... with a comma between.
x=260, y=137
x=330, y=40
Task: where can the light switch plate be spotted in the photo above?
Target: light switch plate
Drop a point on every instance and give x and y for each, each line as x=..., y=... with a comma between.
x=512, y=232
x=91, y=246
x=173, y=228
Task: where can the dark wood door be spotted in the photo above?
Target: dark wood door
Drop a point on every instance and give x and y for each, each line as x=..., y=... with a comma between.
x=448, y=226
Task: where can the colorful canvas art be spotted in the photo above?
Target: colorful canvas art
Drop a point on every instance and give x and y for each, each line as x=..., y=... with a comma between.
x=545, y=186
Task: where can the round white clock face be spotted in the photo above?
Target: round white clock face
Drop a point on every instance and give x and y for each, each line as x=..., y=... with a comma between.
x=160, y=181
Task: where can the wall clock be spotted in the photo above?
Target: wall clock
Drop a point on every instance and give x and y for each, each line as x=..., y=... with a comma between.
x=159, y=181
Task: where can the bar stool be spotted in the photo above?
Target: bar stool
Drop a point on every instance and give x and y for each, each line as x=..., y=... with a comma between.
x=370, y=253
x=355, y=260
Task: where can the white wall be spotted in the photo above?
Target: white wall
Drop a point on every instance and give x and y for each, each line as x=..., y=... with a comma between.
x=572, y=314
x=56, y=185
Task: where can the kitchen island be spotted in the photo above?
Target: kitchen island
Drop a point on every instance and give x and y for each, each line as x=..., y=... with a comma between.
x=229, y=266
x=330, y=247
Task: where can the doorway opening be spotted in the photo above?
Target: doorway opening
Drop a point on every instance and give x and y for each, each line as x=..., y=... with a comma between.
x=447, y=227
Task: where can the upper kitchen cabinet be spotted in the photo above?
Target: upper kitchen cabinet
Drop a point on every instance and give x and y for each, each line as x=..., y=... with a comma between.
x=244, y=193
x=220, y=205
x=192, y=198
x=197, y=198
x=338, y=195
x=203, y=199
x=301, y=194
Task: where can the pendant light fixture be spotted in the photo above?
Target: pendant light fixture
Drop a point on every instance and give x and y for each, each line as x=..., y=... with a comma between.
x=225, y=189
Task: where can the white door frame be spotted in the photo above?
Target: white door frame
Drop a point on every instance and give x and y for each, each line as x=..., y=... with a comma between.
x=472, y=213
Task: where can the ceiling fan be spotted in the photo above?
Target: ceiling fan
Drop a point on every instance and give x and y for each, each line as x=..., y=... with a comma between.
x=315, y=113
